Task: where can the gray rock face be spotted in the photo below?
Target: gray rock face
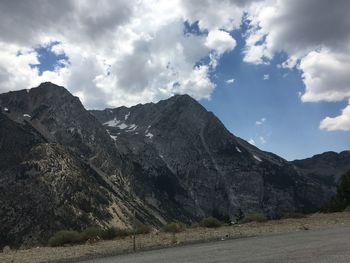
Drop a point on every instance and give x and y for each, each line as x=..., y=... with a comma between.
x=44, y=187
x=186, y=157
x=64, y=167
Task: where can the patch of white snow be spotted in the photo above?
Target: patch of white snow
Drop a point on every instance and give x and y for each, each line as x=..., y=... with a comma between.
x=238, y=150
x=112, y=123
x=122, y=126
x=114, y=137
x=149, y=135
x=257, y=158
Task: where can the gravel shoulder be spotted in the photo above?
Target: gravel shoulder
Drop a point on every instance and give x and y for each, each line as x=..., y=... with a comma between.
x=160, y=240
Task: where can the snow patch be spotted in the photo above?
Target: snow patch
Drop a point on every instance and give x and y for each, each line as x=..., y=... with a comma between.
x=114, y=137
x=238, y=150
x=132, y=127
x=122, y=126
x=127, y=116
x=112, y=123
x=257, y=158
x=26, y=115
x=149, y=135
x=6, y=109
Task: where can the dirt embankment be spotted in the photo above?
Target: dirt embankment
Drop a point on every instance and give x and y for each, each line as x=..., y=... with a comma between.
x=160, y=239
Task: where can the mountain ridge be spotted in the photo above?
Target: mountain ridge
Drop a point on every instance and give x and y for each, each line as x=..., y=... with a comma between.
x=171, y=160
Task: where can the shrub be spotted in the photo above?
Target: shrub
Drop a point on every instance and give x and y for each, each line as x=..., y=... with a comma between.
x=113, y=232
x=143, y=229
x=210, y=222
x=254, y=217
x=92, y=232
x=293, y=215
x=65, y=237
x=347, y=209
x=174, y=227
x=342, y=198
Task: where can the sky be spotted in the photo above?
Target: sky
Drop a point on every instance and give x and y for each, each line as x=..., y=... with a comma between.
x=276, y=72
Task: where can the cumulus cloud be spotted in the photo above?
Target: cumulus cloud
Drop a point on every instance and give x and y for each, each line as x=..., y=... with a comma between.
x=119, y=52
x=266, y=77
x=316, y=37
x=230, y=81
x=220, y=41
x=341, y=122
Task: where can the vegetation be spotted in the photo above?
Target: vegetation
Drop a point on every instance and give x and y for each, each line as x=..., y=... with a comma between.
x=66, y=237
x=143, y=229
x=342, y=198
x=174, y=227
x=92, y=232
x=254, y=217
x=211, y=222
x=347, y=209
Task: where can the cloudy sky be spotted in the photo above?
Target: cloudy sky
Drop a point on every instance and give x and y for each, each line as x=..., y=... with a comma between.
x=276, y=72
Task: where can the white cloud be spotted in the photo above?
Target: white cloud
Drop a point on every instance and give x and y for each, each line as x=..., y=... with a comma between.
x=230, y=81
x=316, y=37
x=261, y=121
x=266, y=77
x=341, y=122
x=120, y=52
x=326, y=76
x=220, y=41
x=251, y=141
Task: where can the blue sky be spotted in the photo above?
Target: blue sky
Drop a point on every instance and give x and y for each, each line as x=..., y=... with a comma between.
x=289, y=62
x=291, y=129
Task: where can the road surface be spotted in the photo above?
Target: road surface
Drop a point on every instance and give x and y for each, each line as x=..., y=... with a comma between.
x=330, y=245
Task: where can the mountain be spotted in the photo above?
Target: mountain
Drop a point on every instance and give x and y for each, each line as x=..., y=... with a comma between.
x=184, y=157
x=62, y=167
x=329, y=165
x=59, y=168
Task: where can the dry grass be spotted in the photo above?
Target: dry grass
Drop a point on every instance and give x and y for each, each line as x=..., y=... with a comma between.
x=160, y=239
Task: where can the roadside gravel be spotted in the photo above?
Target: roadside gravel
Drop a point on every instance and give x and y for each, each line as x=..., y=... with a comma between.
x=160, y=239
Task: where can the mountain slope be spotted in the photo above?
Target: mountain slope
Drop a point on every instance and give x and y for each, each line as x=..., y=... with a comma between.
x=62, y=166
x=59, y=168
x=44, y=187
x=204, y=168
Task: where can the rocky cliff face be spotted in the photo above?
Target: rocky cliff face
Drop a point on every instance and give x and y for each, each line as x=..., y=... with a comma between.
x=64, y=167
x=184, y=157
x=59, y=168
x=44, y=187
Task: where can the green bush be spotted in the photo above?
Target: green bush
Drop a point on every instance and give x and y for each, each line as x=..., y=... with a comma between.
x=113, y=232
x=143, y=229
x=93, y=232
x=347, y=209
x=254, y=217
x=174, y=227
x=342, y=198
x=293, y=215
x=65, y=237
x=210, y=222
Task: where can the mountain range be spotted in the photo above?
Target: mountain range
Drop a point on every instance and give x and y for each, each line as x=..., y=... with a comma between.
x=62, y=167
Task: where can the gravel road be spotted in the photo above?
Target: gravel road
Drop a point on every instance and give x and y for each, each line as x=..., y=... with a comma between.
x=329, y=245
